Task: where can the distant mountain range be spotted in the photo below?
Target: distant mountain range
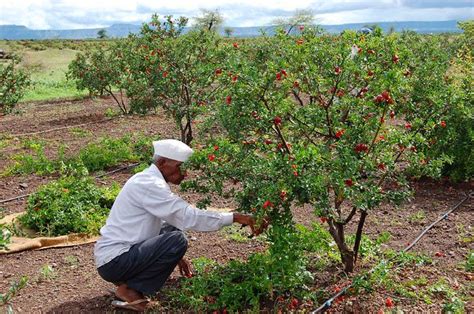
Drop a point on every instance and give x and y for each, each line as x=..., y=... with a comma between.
x=17, y=32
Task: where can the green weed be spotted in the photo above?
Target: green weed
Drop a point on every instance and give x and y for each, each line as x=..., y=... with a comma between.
x=417, y=217
x=469, y=266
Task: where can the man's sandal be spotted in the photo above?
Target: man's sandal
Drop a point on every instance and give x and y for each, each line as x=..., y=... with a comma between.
x=130, y=305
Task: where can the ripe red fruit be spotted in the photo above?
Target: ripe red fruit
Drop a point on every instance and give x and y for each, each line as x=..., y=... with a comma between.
x=294, y=302
x=395, y=59
x=440, y=254
x=379, y=99
x=370, y=51
x=234, y=78
x=296, y=84
x=392, y=114
x=218, y=71
x=301, y=27
x=216, y=147
x=236, y=45
x=370, y=73
x=348, y=182
x=361, y=148
x=278, y=76
x=408, y=126
x=337, y=70
x=277, y=120
x=165, y=74
x=211, y=157
x=442, y=124
x=228, y=100
x=389, y=302
x=267, y=204
x=295, y=173
x=381, y=166
x=268, y=142
x=323, y=219
x=340, y=93
x=284, y=72
x=283, y=195
x=340, y=133
x=386, y=95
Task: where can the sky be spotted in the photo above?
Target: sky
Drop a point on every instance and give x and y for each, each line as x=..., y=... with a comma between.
x=74, y=14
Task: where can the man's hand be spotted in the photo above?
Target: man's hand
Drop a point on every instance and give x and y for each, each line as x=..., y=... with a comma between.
x=250, y=221
x=185, y=268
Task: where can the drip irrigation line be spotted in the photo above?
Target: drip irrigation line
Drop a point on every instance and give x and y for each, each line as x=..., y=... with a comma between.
x=97, y=177
x=117, y=170
x=14, y=198
x=60, y=128
x=326, y=305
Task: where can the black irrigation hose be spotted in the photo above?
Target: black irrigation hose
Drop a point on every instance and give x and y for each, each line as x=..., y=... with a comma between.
x=14, y=198
x=117, y=170
x=326, y=305
x=97, y=177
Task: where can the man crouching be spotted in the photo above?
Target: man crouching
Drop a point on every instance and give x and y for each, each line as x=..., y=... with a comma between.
x=143, y=240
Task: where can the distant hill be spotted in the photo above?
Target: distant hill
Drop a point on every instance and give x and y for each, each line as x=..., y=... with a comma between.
x=17, y=32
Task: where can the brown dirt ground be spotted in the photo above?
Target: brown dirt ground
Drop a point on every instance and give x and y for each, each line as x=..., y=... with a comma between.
x=76, y=287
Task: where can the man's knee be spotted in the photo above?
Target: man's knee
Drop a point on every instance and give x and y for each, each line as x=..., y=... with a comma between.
x=180, y=242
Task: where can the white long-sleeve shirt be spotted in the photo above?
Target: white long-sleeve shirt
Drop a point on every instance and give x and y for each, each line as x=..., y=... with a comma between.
x=142, y=206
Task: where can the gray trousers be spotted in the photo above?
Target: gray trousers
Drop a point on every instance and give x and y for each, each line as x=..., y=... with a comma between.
x=147, y=265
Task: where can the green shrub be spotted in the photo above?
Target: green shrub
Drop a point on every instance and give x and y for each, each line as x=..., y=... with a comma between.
x=107, y=153
x=455, y=133
x=70, y=204
x=101, y=155
x=239, y=285
x=13, y=83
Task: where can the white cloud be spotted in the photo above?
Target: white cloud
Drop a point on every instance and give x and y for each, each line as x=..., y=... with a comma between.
x=61, y=14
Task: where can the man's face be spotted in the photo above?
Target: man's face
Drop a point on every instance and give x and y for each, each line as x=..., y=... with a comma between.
x=171, y=171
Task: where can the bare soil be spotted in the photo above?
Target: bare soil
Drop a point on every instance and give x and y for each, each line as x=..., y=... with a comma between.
x=74, y=285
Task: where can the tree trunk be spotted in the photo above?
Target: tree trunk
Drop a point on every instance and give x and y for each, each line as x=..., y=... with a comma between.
x=347, y=256
x=358, y=238
x=348, y=260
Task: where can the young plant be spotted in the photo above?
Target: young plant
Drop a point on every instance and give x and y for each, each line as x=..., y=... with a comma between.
x=14, y=288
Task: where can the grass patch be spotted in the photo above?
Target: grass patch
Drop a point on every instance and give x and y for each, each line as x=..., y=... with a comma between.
x=48, y=74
